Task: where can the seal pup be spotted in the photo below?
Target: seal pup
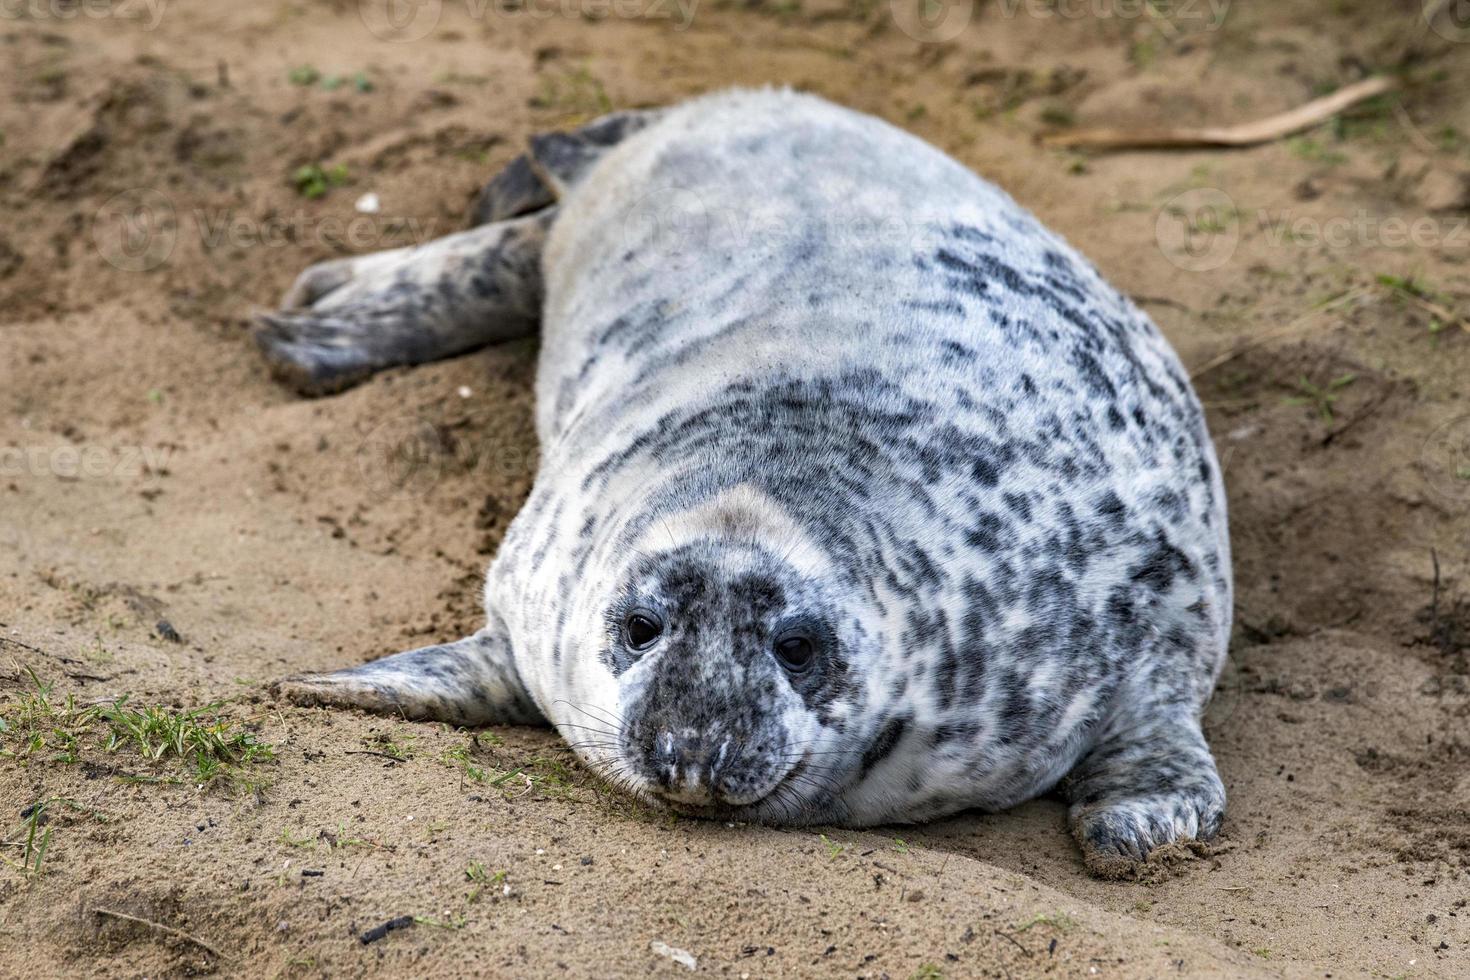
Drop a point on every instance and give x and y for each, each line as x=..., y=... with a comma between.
x=862, y=497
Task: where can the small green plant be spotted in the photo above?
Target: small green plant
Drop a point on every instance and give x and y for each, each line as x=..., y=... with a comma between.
x=1315, y=152
x=307, y=843
x=210, y=745
x=478, y=877
x=1320, y=397
x=313, y=181
x=1060, y=921
x=305, y=75
x=577, y=92
x=927, y=971
x=1408, y=286
x=35, y=842
x=456, y=922
x=386, y=744
x=834, y=849
x=459, y=758
x=1055, y=115
x=550, y=775
x=35, y=848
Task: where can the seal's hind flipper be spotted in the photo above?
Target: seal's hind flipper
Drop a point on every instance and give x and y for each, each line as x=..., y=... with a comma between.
x=515, y=191
x=471, y=682
x=408, y=305
x=554, y=164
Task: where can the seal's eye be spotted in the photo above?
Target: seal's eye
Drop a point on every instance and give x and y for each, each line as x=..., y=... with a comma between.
x=643, y=629
x=796, y=652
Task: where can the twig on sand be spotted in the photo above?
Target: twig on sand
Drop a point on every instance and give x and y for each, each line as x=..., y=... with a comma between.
x=1443, y=313
x=381, y=755
x=1246, y=134
x=159, y=926
x=1013, y=940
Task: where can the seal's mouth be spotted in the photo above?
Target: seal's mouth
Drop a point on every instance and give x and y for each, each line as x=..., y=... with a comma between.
x=781, y=804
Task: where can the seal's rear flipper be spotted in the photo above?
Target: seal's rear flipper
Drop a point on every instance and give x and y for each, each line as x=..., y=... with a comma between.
x=408, y=305
x=471, y=682
x=343, y=320
x=555, y=163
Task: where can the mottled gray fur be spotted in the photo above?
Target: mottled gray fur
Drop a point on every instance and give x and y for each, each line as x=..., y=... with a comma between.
x=921, y=513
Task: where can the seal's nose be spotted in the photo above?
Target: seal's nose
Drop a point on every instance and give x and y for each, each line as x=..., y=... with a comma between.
x=686, y=766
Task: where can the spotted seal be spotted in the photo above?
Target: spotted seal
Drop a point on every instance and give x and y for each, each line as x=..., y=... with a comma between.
x=862, y=497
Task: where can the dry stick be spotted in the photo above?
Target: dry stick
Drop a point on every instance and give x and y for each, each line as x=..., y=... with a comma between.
x=1245, y=134
x=1415, y=137
x=163, y=928
x=1445, y=314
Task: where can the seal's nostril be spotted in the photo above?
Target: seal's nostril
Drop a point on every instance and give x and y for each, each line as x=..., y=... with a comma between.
x=663, y=748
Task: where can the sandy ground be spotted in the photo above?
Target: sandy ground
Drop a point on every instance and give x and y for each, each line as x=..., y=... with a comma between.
x=153, y=471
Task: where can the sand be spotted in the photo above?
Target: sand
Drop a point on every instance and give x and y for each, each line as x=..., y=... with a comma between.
x=153, y=471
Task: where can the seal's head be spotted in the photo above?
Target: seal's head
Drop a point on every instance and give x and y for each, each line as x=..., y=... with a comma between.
x=731, y=667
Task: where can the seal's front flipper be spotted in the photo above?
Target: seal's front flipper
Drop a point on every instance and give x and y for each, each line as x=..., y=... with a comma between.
x=408, y=305
x=471, y=682
x=1148, y=784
